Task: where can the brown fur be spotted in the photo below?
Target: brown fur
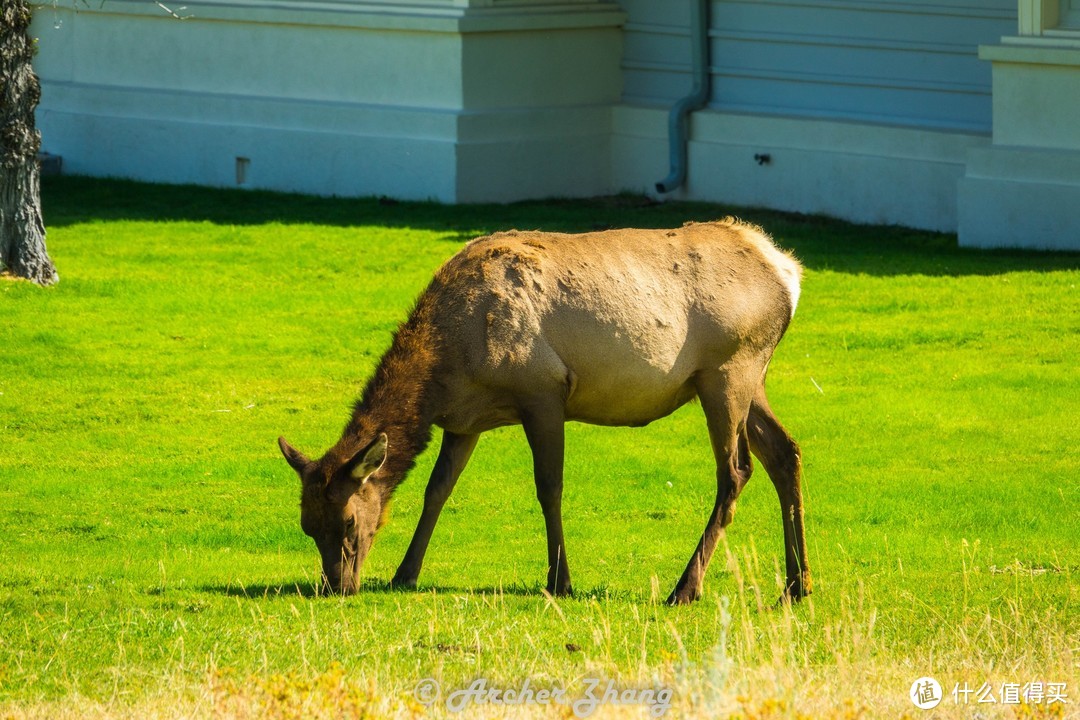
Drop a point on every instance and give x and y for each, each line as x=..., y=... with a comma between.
x=615, y=328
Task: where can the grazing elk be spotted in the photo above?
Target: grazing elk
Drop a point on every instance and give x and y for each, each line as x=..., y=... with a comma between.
x=612, y=328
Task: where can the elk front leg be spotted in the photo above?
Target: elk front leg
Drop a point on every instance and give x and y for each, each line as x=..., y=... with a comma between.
x=725, y=410
x=545, y=432
x=453, y=455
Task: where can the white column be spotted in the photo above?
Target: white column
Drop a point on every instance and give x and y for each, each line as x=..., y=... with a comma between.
x=1023, y=189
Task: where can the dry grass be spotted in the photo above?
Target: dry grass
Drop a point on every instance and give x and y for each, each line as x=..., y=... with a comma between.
x=769, y=662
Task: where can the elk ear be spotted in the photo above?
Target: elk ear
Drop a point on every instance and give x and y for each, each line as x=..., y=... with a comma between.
x=296, y=459
x=366, y=462
x=356, y=472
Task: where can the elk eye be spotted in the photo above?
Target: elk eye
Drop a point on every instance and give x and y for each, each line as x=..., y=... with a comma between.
x=350, y=522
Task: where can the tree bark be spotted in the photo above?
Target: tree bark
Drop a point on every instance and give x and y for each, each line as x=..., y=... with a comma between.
x=22, y=230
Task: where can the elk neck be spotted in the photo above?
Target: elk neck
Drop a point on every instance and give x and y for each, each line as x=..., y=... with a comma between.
x=400, y=398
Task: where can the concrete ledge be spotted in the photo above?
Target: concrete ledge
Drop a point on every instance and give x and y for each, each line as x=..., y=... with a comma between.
x=442, y=17
x=182, y=106
x=294, y=160
x=859, y=172
x=324, y=148
x=1028, y=51
x=1020, y=198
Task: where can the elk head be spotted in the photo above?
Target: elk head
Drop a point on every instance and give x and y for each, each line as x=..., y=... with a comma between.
x=341, y=508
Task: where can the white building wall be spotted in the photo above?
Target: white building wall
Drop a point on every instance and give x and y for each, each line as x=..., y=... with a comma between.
x=454, y=101
x=900, y=62
x=867, y=110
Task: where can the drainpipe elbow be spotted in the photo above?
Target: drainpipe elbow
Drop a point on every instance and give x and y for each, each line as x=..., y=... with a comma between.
x=678, y=119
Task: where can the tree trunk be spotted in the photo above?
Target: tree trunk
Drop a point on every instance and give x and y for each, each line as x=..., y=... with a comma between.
x=22, y=231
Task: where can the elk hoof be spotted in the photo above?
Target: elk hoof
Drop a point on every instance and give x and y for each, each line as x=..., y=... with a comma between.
x=564, y=591
x=796, y=591
x=684, y=596
x=403, y=583
x=786, y=599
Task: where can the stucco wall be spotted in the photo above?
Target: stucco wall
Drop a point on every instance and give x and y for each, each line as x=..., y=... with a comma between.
x=454, y=101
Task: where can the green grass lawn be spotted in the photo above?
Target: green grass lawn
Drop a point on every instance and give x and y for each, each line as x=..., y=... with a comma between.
x=152, y=563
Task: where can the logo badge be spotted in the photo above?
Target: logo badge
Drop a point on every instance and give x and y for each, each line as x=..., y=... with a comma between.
x=925, y=693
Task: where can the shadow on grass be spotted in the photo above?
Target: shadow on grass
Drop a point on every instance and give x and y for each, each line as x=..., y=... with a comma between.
x=309, y=589
x=258, y=591
x=820, y=243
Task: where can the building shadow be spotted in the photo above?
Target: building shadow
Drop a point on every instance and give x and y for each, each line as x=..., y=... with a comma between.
x=819, y=243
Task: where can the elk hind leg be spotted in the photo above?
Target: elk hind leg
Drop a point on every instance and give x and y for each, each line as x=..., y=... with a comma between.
x=779, y=454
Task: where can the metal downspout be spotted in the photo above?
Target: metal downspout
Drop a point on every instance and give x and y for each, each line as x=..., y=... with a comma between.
x=698, y=97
